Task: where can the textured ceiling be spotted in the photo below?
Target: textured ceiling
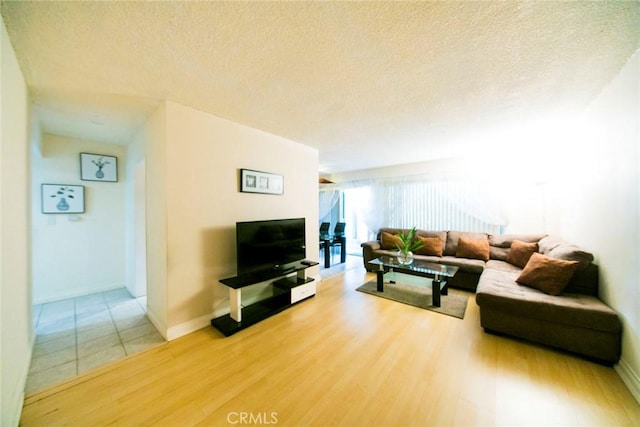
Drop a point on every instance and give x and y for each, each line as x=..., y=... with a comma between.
x=368, y=83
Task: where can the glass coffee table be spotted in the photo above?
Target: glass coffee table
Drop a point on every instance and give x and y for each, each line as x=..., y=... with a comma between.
x=438, y=272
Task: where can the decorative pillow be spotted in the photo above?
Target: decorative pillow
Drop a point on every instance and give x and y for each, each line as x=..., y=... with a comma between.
x=520, y=253
x=451, y=246
x=474, y=249
x=547, y=274
x=430, y=246
x=389, y=241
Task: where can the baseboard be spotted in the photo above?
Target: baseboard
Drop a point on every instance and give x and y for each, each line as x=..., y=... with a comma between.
x=630, y=378
x=78, y=293
x=188, y=327
x=160, y=326
x=193, y=325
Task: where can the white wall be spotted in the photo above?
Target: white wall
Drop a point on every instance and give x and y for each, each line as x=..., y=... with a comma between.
x=203, y=157
x=16, y=330
x=93, y=259
x=597, y=203
x=149, y=145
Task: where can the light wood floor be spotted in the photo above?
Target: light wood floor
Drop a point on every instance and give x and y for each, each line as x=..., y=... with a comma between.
x=343, y=358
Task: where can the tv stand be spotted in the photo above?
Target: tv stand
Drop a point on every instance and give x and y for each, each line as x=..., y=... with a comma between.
x=286, y=291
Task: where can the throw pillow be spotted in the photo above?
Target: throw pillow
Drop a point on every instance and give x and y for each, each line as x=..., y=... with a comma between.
x=547, y=274
x=520, y=253
x=389, y=241
x=430, y=246
x=474, y=249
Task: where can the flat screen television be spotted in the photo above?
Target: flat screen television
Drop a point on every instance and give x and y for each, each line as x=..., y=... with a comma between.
x=269, y=245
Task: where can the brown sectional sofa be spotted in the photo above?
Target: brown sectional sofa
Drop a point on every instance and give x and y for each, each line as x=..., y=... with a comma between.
x=575, y=321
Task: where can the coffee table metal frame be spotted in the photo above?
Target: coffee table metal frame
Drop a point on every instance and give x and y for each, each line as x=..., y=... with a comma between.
x=438, y=272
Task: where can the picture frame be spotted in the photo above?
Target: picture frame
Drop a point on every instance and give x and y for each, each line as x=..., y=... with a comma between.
x=62, y=198
x=252, y=181
x=98, y=167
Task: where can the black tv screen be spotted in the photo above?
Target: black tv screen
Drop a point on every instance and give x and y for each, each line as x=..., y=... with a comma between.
x=269, y=245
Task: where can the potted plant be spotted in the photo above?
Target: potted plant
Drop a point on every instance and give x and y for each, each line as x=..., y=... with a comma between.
x=407, y=244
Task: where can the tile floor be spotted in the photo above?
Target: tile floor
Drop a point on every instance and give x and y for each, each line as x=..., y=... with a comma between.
x=76, y=335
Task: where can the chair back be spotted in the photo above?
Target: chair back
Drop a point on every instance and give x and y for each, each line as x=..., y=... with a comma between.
x=324, y=227
x=339, y=230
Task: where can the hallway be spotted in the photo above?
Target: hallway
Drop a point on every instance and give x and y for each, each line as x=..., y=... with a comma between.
x=76, y=335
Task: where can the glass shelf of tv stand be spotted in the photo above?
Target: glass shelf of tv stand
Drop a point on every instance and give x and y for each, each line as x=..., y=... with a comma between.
x=241, y=317
x=261, y=276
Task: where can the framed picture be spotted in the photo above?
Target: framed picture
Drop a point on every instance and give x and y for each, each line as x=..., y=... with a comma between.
x=261, y=182
x=62, y=198
x=97, y=167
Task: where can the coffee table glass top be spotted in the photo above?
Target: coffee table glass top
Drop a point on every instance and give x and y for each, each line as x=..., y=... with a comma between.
x=418, y=266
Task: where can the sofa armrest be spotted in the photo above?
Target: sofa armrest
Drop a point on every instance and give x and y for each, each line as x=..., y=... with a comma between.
x=367, y=253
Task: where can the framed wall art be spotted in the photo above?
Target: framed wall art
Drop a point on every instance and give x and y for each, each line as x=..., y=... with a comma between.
x=261, y=182
x=62, y=198
x=97, y=167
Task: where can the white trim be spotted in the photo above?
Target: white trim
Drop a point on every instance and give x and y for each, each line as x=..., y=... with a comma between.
x=161, y=327
x=79, y=293
x=630, y=378
x=188, y=327
x=198, y=323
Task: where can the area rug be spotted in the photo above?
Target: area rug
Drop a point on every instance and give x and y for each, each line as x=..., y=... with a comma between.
x=454, y=304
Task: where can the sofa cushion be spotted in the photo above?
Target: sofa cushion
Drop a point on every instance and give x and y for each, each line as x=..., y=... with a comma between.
x=452, y=240
x=497, y=290
x=569, y=252
x=389, y=241
x=499, y=244
x=430, y=246
x=473, y=248
x=502, y=266
x=520, y=252
x=547, y=243
x=547, y=274
x=467, y=265
x=505, y=240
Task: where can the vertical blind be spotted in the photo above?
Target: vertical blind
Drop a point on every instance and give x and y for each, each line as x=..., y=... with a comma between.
x=462, y=205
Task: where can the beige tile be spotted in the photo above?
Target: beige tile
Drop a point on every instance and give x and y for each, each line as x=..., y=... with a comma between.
x=63, y=323
x=145, y=328
x=54, y=311
x=48, y=336
x=143, y=343
x=117, y=297
x=51, y=376
x=90, y=319
x=91, y=300
x=50, y=360
x=127, y=309
x=95, y=360
x=92, y=332
x=130, y=322
x=51, y=346
x=97, y=345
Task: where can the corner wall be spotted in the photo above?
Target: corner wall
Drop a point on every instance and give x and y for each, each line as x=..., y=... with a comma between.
x=16, y=329
x=93, y=259
x=204, y=154
x=597, y=204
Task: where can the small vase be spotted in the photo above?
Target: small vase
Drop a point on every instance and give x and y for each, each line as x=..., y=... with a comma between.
x=405, y=258
x=62, y=205
x=99, y=174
